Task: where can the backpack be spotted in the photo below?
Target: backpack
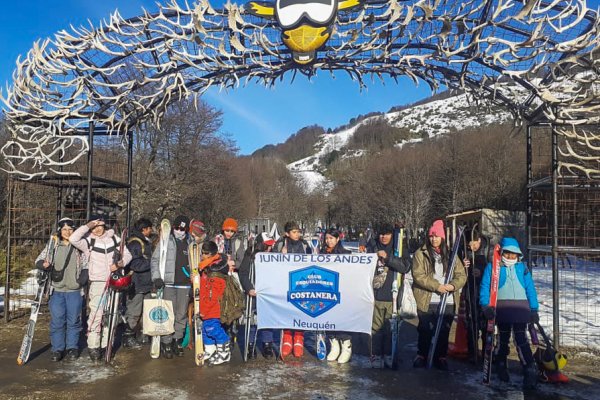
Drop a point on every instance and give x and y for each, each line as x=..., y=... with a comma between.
x=233, y=301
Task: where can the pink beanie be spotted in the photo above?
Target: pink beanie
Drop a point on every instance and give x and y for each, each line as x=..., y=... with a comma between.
x=437, y=229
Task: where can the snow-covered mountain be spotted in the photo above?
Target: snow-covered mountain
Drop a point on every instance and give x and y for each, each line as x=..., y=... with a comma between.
x=432, y=119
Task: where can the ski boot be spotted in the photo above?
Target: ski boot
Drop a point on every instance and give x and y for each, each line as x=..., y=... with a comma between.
x=267, y=350
x=129, y=340
x=223, y=354
x=334, y=353
x=210, y=351
x=298, y=344
x=502, y=371
x=530, y=377
x=346, y=352
x=178, y=346
x=167, y=350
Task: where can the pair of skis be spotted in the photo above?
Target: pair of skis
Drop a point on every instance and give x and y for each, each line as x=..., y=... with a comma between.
x=165, y=233
x=249, y=320
x=397, y=288
x=491, y=323
x=43, y=288
x=444, y=300
x=112, y=306
x=194, y=260
x=320, y=344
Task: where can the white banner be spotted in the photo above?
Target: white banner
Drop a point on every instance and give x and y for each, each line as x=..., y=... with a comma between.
x=325, y=292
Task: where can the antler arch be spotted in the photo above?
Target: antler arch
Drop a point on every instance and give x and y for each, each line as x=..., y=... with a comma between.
x=536, y=57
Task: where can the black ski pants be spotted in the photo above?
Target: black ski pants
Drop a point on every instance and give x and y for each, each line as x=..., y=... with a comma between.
x=426, y=330
x=520, y=333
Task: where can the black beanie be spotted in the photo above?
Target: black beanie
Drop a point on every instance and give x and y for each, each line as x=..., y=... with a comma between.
x=182, y=222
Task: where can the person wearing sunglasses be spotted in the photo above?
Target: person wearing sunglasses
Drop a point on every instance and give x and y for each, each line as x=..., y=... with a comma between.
x=175, y=282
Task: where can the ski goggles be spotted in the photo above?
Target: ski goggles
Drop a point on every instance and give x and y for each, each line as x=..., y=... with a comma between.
x=292, y=13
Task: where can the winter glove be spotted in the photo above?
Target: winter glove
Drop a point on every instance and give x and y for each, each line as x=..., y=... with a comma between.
x=158, y=283
x=489, y=312
x=535, y=317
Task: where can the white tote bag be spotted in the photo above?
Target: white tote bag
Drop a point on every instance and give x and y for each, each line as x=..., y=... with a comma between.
x=408, y=304
x=158, y=317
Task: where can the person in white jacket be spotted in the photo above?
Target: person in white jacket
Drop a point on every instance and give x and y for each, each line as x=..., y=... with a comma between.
x=99, y=244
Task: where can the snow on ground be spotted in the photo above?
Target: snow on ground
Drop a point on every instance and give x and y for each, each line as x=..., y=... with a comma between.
x=26, y=293
x=158, y=391
x=79, y=371
x=579, y=300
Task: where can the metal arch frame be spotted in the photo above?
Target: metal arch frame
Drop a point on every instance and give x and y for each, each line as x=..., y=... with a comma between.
x=127, y=72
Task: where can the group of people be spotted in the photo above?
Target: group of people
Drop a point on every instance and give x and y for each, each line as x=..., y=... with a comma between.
x=86, y=256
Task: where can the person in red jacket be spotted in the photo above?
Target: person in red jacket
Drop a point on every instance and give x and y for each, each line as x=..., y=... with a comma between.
x=214, y=269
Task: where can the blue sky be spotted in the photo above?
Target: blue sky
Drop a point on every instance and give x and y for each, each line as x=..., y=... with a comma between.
x=254, y=116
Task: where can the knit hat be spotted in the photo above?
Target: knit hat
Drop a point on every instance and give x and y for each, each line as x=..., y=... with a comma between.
x=230, y=224
x=511, y=245
x=181, y=222
x=437, y=229
x=197, y=227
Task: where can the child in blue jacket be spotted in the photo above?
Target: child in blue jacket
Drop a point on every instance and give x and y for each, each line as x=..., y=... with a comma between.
x=517, y=305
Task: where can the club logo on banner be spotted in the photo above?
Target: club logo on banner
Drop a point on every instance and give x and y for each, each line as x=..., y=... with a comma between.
x=314, y=290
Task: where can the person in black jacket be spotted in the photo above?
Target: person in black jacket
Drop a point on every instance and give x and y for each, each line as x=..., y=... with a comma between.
x=263, y=243
x=292, y=243
x=140, y=247
x=387, y=264
x=341, y=342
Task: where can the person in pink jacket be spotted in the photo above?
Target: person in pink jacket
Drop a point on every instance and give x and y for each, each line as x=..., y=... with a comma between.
x=99, y=245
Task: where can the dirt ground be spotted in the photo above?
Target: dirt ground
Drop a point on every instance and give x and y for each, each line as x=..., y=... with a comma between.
x=134, y=375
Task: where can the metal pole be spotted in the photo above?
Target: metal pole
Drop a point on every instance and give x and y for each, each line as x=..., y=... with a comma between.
x=555, y=286
x=129, y=177
x=90, y=162
x=8, y=250
x=529, y=194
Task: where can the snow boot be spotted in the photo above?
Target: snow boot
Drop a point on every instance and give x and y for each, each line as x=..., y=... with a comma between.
x=419, y=362
x=267, y=350
x=167, y=350
x=178, y=345
x=129, y=340
x=502, y=370
x=95, y=354
x=210, y=350
x=223, y=354
x=286, y=348
x=441, y=363
x=530, y=377
x=298, y=344
x=346, y=352
x=334, y=353
x=72, y=354
x=56, y=356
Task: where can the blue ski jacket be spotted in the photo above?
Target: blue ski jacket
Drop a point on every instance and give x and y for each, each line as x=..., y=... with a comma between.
x=524, y=279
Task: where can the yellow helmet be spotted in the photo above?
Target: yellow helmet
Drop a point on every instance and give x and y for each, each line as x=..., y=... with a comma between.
x=553, y=360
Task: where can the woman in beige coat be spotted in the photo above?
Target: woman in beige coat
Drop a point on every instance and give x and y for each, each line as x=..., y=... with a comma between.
x=430, y=266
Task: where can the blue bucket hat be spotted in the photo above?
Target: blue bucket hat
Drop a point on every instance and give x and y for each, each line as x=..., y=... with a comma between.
x=510, y=244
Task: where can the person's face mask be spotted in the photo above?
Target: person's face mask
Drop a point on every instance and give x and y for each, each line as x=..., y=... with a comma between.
x=509, y=262
x=179, y=234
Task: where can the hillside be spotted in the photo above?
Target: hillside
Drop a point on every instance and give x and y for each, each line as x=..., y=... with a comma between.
x=396, y=128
